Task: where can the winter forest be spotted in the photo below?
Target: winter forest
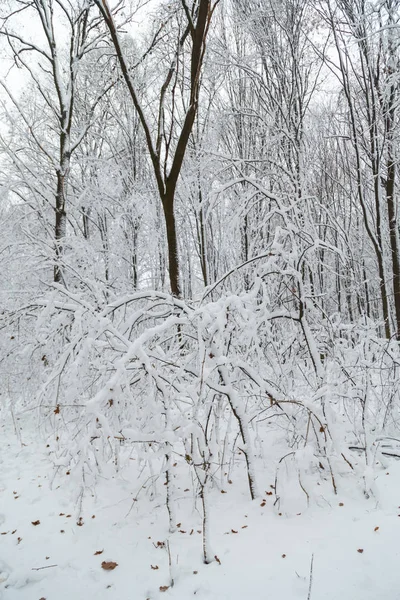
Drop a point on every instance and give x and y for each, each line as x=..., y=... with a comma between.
x=200, y=299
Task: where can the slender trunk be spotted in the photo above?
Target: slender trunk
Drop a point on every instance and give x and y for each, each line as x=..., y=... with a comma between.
x=172, y=243
x=60, y=226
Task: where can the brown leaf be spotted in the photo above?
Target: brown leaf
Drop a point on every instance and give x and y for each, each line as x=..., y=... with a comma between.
x=376, y=528
x=19, y=540
x=154, y=567
x=269, y=493
x=217, y=559
x=233, y=531
x=108, y=565
x=179, y=524
x=360, y=550
x=187, y=489
x=62, y=531
x=263, y=503
x=182, y=531
x=57, y=410
x=244, y=526
x=98, y=552
x=12, y=533
x=195, y=572
x=164, y=588
x=223, y=492
x=341, y=504
x=93, y=516
x=283, y=555
x=36, y=522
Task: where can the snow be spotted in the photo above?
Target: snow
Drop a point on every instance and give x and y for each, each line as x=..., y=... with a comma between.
x=263, y=553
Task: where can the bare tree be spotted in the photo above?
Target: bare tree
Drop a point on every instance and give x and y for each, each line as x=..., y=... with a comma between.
x=168, y=146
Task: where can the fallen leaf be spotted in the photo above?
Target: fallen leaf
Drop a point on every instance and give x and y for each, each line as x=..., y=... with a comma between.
x=360, y=550
x=269, y=493
x=93, y=516
x=223, y=492
x=98, y=552
x=376, y=528
x=62, y=531
x=187, y=490
x=179, y=525
x=19, y=540
x=182, y=531
x=217, y=559
x=195, y=572
x=12, y=533
x=164, y=588
x=108, y=565
x=36, y=522
x=154, y=567
x=341, y=504
x=244, y=526
x=263, y=503
x=233, y=531
x=283, y=555
x=57, y=409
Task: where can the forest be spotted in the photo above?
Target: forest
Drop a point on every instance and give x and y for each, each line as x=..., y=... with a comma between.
x=200, y=264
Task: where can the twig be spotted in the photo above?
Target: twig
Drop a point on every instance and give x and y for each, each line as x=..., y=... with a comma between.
x=46, y=567
x=311, y=577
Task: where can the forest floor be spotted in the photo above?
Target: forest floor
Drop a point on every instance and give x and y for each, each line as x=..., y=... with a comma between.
x=46, y=552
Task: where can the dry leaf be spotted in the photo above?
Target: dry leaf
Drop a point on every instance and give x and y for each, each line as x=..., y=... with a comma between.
x=244, y=526
x=341, y=504
x=195, y=572
x=283, y=555
x=182, y=531
x=154, y=567
x=19, y=540
x=376, y=528
x=36, y=522
x=223, y=492
x=164, y=588
x=98, y=552
x=269, y=493
x=217, y=559
x=233, y=531
x=360, y=550
x=108, y=565
x=263, y=503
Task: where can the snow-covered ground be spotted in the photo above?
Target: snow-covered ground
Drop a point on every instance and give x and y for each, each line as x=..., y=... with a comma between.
x=47, y=553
